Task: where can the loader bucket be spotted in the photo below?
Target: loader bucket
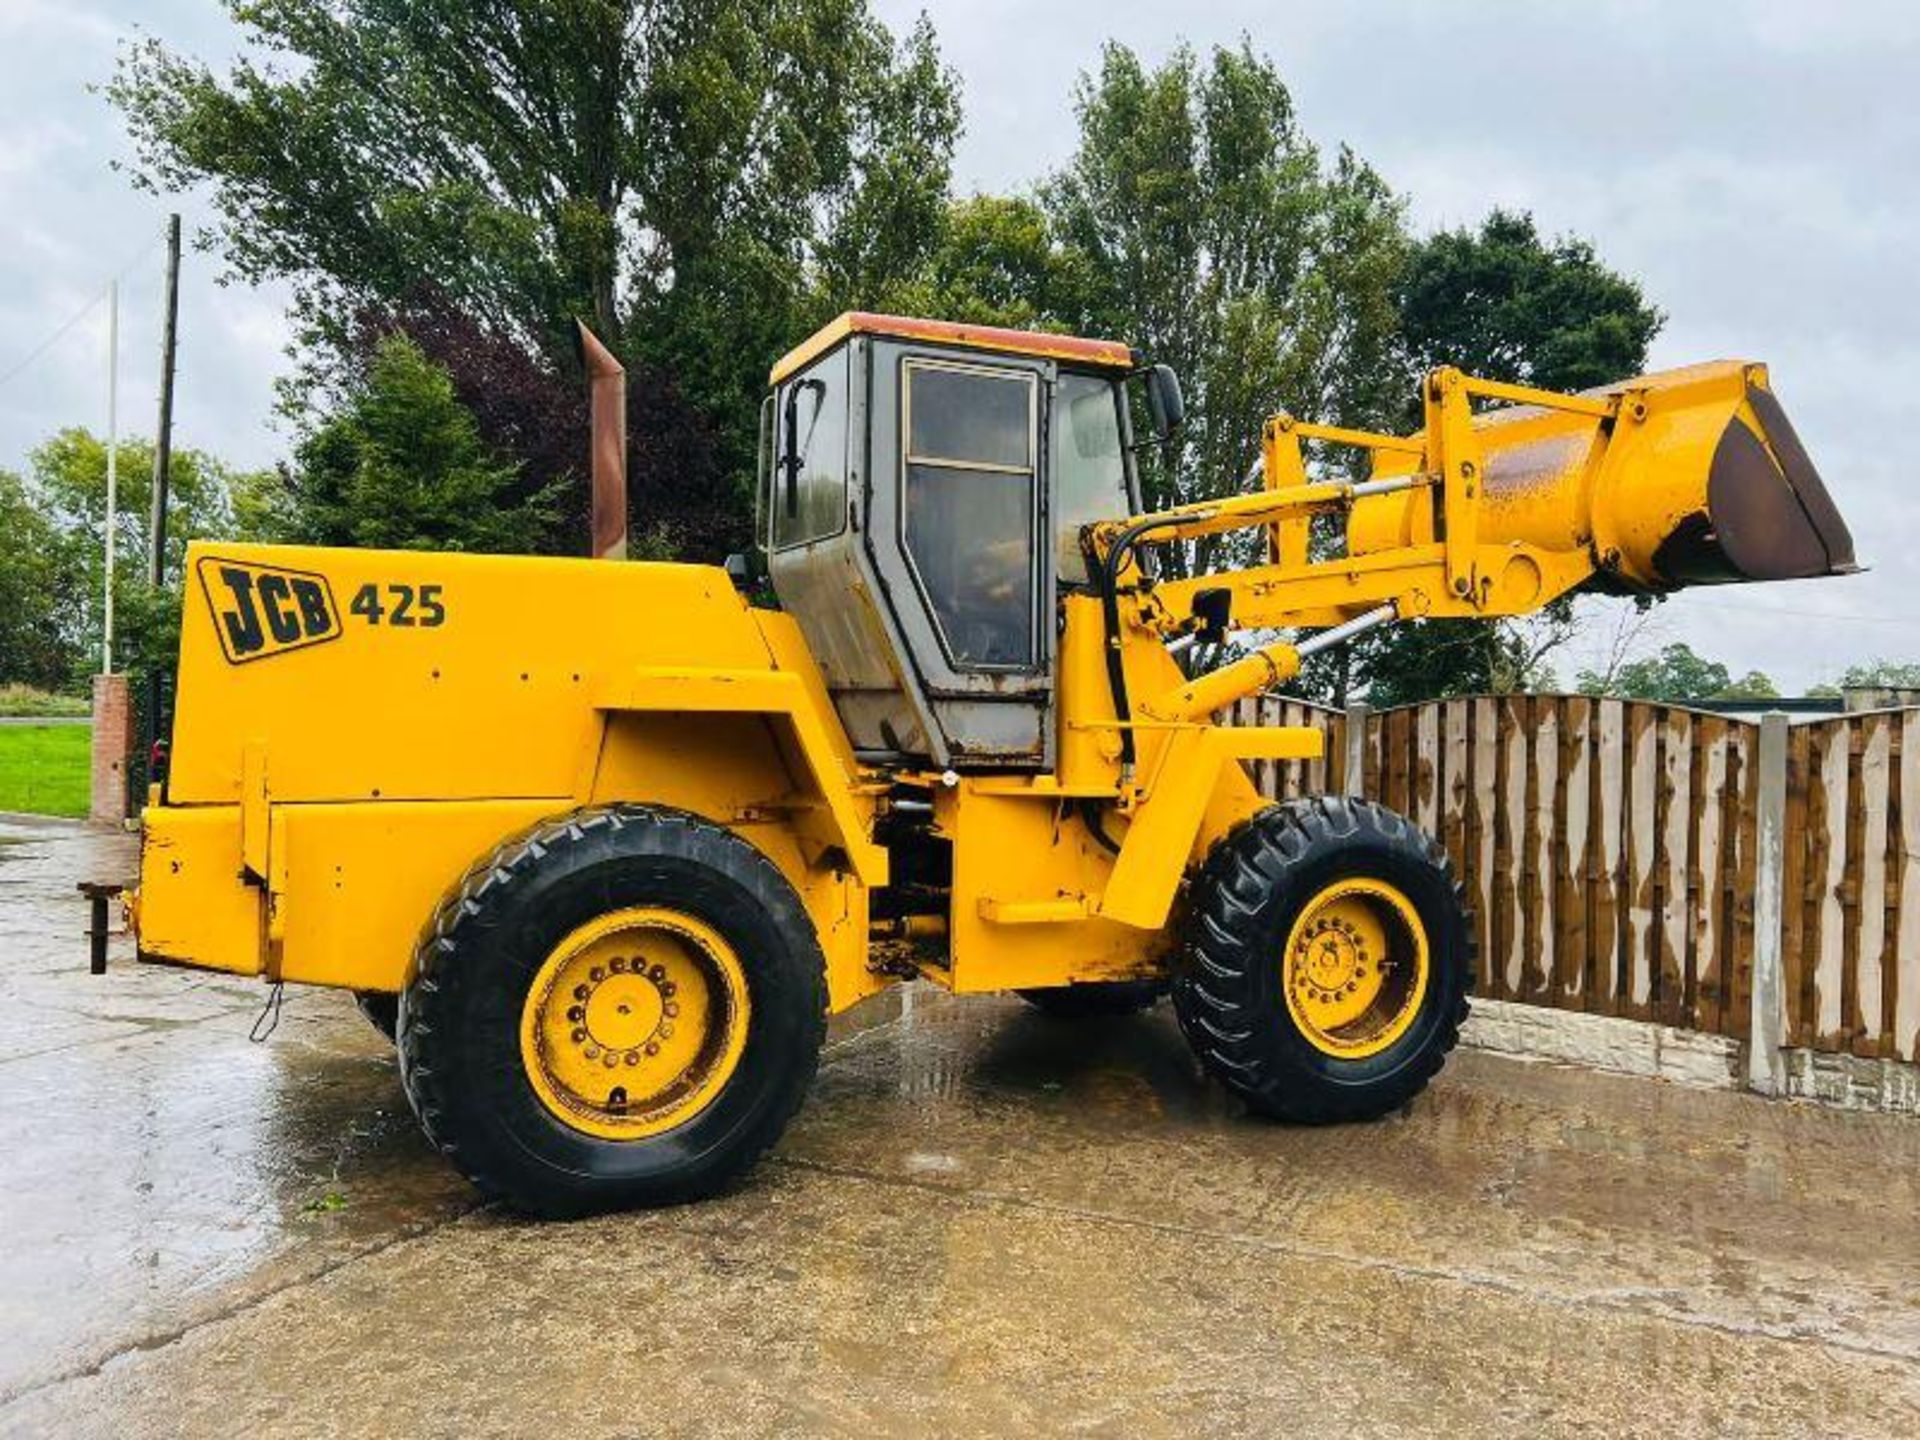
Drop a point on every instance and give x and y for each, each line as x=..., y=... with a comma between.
x=1696, y=478
x=1768, y=514
x=1704, y=482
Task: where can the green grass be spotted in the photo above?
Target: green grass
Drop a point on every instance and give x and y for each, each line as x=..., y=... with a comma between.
x=25, y=700
x=43, y=768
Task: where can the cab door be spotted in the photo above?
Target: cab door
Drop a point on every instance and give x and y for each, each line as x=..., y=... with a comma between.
x=957, y=534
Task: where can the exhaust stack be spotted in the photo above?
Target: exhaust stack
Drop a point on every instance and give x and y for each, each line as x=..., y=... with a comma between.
x=607, y=392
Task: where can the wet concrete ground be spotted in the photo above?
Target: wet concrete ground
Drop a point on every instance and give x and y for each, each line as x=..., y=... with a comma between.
x=983, y=1222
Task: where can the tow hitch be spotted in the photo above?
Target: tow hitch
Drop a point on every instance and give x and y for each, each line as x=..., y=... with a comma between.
x=99, y=893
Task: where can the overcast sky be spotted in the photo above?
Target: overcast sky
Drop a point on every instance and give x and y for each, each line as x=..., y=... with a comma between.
x=1756, y=167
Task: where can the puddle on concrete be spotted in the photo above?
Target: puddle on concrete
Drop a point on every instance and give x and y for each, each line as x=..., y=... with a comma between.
x=156, y=1161
x=970, y=1175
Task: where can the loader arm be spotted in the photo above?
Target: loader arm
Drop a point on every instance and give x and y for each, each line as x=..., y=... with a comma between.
x=1686, y=477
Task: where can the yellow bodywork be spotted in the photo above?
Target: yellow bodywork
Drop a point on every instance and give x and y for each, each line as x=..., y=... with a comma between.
x=355, y=729
x=324, y=797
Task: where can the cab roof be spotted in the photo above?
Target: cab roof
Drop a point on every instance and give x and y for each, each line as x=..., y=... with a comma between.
x=1104, y=354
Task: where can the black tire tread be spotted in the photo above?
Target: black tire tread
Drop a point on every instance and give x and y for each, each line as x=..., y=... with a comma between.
x=1214, y=992
x=478, y=896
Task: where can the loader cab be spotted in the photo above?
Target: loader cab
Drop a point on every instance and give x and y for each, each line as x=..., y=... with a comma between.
x=922, y=489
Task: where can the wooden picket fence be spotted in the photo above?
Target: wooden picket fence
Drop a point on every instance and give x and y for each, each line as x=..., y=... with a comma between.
x=1611, y=852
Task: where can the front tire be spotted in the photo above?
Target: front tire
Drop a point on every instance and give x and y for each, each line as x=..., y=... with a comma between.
x=622, y=1008
x=1327, y=961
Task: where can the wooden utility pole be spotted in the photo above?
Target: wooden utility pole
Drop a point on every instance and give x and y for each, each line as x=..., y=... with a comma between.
x=163, y=433
x=153, y=730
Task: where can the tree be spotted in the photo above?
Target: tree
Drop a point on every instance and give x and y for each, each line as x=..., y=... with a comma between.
x=43, y=596
x=1678, y=676
x=882, y=227
x=69, y=486
x=1754, y=685
x=1206, y=229
x=1882, y=675
x=698, y=177
x=400, y=465
x=1503, y=303
x=995, y=260
x=59, y=530
x=1426, y=659
x=532, y=415
x=1195, y=219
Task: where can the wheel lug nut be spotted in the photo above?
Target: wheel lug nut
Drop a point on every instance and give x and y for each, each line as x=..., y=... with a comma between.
x=618, y=964
x=658, y=972
x=576, y=1013
x=666, y=1031
x=633, y=1057
x=671, y=1009
x=593, y=1052
x=579, y=1036
x=668, y=988
x=596, y=974
x=580, y=992
x=611, y=1060
x=653, y=1047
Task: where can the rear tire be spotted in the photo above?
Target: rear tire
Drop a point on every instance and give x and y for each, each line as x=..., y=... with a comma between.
x=1327, y=961
x=1095, y=999
x=485, y=1052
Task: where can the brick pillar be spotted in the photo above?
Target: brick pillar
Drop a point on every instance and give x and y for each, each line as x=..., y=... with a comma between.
x=112, y=744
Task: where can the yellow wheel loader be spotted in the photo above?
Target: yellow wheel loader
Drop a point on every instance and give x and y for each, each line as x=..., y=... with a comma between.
x=603, y=844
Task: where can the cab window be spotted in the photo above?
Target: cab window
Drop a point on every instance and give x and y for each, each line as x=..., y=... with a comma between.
x=811, y=422
x=1089, y=474
x=968, y=479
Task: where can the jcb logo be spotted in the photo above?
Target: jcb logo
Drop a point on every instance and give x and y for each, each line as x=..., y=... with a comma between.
x=262, y=610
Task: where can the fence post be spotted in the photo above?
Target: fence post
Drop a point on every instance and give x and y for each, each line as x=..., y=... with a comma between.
x=1766, y=1049
x=1353, y=781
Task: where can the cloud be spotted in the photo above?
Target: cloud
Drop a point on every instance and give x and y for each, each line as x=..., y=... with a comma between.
x=69, y=222
x=33, y=20
x=1753, y=168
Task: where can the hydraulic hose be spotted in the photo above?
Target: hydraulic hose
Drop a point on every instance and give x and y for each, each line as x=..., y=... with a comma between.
x=1110, y=568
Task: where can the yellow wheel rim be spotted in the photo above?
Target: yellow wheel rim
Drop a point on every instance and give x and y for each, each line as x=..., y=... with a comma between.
x=1356, y=968
x=634, y=1023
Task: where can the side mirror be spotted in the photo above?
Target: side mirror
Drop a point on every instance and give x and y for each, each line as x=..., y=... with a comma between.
x=1165, y=408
